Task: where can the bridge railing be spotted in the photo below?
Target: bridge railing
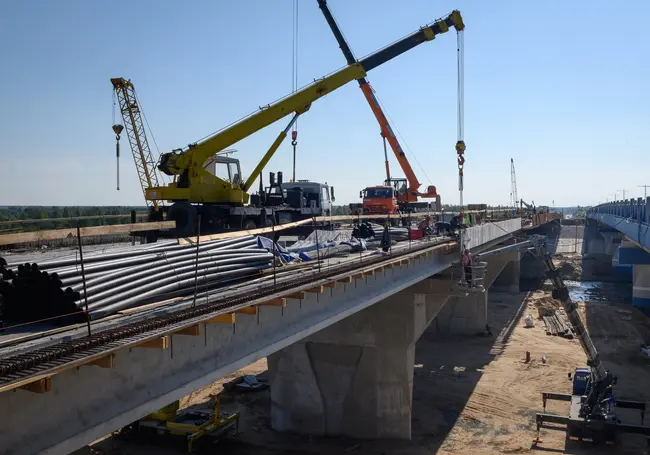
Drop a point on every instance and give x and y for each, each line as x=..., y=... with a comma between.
x=633, y=209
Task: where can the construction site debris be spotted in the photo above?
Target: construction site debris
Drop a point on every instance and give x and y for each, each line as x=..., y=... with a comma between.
x=529, y=321
x=557, y=325
x=246, y=383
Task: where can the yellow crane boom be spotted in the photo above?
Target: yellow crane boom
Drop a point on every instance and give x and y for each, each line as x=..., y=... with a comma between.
x=196, y=185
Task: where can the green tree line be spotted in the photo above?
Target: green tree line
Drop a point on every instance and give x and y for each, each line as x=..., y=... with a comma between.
x=46, y=217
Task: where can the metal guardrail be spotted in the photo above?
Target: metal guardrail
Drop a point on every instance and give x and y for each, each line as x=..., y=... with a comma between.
x=633, y=209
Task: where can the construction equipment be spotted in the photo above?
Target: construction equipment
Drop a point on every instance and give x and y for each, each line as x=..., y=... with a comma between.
x=220, y=200
x=189, y=426
x=406, y=189
x=530, y=208
x=513, y=185
x=135, y=131
x=265, y=208
x=592, y=414
x=379, y=200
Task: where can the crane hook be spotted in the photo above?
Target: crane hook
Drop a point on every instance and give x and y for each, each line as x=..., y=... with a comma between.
x=117, y=129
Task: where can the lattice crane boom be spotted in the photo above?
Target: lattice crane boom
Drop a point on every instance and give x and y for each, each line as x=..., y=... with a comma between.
x=134, y=127
x=514, y=199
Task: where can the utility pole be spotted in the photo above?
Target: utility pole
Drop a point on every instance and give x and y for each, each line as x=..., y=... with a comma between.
x=645, y=191
x=623, y=191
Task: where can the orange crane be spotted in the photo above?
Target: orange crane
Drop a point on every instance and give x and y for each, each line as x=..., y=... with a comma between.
x=403, y=191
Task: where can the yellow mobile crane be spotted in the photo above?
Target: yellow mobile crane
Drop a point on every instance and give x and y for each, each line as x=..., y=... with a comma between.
x=221, y=200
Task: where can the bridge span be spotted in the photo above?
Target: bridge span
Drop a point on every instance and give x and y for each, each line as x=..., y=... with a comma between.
x=621, y=229
x=340, y=344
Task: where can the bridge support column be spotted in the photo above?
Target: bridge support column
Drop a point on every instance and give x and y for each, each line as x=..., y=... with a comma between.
x=641, y=286
x=354, y=378
x=612, y=242
x=463, y=315
x=508, y=279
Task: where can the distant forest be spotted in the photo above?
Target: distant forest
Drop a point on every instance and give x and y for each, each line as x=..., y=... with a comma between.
x=36, y=218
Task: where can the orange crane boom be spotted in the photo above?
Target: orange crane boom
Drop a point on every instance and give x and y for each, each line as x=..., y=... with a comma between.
x=453, y=20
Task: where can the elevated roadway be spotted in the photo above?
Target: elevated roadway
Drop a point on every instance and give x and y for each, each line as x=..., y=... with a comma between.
x=621, y=229
x=339, y=340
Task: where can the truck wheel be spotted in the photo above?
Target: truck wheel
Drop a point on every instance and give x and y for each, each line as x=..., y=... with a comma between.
x=185, y=215
x=248, y=224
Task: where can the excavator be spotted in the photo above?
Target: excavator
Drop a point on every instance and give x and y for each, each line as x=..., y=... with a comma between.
x=222, y=200
x=530, y=208
x=396, y=194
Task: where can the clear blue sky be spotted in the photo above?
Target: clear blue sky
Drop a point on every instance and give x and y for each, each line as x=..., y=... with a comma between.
x=562, y=87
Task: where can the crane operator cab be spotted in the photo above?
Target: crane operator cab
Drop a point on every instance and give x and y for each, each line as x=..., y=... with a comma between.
x=400, y=186
x=225, y=168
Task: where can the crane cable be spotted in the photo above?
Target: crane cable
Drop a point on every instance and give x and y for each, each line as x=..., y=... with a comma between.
x=460, y=144
x=294, y=82
x=117, y=129
x=460, y=152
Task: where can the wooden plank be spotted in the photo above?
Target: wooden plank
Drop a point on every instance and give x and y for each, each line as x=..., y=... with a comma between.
x=228, y=235
x=228, y=318
x=24, y=237
x=193, y=331
x=357, y=276
x=316, y=290
x=247, y=310
x=297, y=295
x=347, y=279
x=140, y=215
x=108, y=361
x=280, y=301
x=330, y=284
x=158, y=343
x=40, y=386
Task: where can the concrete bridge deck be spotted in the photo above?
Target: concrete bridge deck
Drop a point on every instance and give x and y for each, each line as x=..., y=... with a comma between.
x=621, y=230
x=340, y=348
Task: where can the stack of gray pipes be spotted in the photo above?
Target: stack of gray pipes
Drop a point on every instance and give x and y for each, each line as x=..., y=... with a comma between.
x=132, y=277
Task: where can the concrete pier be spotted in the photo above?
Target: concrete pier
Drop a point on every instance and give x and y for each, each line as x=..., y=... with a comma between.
x=641, y=286
x=354, y=378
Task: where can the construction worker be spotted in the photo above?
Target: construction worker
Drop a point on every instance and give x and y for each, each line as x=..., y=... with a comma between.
x=466, y=260
x=425, y=225
x=455, y=223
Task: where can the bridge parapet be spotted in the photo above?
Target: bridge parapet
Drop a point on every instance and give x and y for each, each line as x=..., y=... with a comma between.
x=634, y=209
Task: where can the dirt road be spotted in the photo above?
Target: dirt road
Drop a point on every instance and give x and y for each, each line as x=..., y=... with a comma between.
x=471, y=395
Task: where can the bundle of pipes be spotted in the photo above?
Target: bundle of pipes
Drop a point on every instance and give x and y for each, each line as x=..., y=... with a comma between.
x=367, y=229
x=131, y=277
x=29, y=294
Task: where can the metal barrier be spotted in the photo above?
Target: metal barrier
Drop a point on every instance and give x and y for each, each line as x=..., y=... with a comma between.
x=633, y=209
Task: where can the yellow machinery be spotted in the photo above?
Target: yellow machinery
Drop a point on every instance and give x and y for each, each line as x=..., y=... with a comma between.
x=135, y=131
x=188, y=424
x=196, y=190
